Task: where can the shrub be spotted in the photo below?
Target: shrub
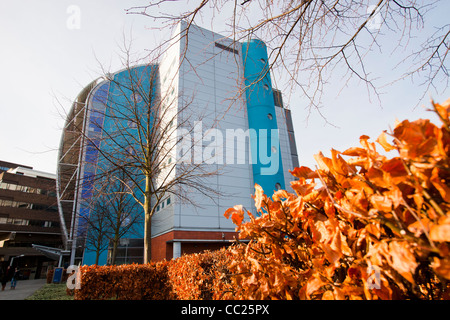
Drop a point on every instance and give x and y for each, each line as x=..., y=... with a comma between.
x=190, y=277
x=197, y=276
x=368, y=227
x=125, y=282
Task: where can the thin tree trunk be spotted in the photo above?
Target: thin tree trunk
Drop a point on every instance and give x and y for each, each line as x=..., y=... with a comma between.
x=148, y=223
x=114, y=249
x=116, y=239
x=97, y=255
x=147, y=236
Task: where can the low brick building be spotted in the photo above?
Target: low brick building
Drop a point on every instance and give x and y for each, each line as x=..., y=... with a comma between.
x=28, y=215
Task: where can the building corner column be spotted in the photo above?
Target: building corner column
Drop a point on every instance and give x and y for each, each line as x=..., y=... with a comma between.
x=176, y=249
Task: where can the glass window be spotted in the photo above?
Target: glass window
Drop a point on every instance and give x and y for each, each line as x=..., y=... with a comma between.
x=3, y=218
x=100, y=97
x=98, y=105
x=9, y=186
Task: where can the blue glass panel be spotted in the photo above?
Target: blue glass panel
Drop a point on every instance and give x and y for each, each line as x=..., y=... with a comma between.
x=88, y=182
x=101, y=94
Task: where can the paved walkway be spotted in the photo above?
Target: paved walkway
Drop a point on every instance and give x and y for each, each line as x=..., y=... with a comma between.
x=24, y=289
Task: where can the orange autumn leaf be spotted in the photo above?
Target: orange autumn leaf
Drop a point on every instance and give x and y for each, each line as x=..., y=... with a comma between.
x=440, y=183
x=379, y=177
x=324, y=163
x=336, y=248
x=259, y=196
x=340, y=167
x=417, y=138
x=355, y=152
x=381, y=203
x=280, y=194
x=328, y=295
x=420, y=227
x=302, y=188
x=442, y=109
x=312, y=286
x=441, y=231
x=442, y=267
x=395, y=168
x=403, y=260
x=304, y=172
x=236, y=213
x=383, y=142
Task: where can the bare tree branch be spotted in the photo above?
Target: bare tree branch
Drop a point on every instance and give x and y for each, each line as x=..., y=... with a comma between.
x=308, y=40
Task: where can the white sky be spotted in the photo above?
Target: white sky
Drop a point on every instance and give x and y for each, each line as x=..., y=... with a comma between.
x=44, y=65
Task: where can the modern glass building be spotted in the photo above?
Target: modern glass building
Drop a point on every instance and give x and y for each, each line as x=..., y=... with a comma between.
x=92, y=128
x=240, y=130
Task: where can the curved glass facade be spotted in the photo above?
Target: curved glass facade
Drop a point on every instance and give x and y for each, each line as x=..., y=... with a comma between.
x=102, y=111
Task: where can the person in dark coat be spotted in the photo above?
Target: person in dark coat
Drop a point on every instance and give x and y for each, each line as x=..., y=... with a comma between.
x=2, y=273
x=5, y=277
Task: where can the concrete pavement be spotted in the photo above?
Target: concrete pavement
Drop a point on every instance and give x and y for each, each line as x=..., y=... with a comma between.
x=24, y=289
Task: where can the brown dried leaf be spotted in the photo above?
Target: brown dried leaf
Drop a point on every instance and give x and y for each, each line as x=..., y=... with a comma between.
x=304, y=172
x=259, y=196
x=403, y=260
x=383, y=142
x=441, y=231
x=381, y=203
x=441, y=267
x=440, y=183
x=355, y=152
x=324, y=163
x=237, y=214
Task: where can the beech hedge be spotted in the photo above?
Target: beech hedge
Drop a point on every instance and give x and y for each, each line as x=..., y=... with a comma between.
x=362, y=225
x=190, y=277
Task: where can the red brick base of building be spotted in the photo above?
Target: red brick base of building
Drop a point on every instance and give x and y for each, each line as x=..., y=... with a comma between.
x=190, y=242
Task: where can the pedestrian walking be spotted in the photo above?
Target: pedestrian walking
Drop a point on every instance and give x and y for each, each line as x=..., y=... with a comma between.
x=14, y=278
x=5, y=277
x=2, y=274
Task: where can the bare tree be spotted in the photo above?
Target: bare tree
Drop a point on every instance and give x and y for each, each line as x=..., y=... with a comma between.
x=123, y=218
x=96, y=239
x=138, y=139
x=113, y=214
x=310, y=41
